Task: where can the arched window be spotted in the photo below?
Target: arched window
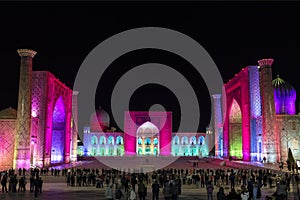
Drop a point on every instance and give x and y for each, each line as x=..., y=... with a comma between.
x=176, y=140
x=111, y=140
x=140, y=151
x=147, y=141
x=139, y=141
x=94, y=140
x=155, y=151
x=201, y=140
x=94, y=151
x=184, y=140
x=119, y=140
x=102, y=140
x=155, y=141
x=193, y=140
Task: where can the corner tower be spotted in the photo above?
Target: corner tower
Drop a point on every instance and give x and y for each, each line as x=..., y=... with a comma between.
x=270, y=139
x=23, y=128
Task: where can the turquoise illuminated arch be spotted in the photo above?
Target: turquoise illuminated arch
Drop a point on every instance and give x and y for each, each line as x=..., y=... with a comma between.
x=176, y=140
x=184, y=140
x=111, y=140
x=94, y=140
x=102, y=140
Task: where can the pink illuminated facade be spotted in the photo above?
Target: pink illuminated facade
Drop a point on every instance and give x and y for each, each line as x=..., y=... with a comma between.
x=45, y=135
x=258, y=116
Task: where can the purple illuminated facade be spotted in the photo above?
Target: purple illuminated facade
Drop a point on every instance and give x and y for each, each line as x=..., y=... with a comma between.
x=259, y=114
x=44, y=135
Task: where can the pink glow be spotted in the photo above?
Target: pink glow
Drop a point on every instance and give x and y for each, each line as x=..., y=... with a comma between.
x=238, y=89
x=133, y=119
x=56, y=90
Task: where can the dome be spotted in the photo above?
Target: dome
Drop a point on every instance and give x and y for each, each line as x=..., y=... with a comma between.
x=282, y=89
x=8, y=113
x=99, y=117
x=147, y=128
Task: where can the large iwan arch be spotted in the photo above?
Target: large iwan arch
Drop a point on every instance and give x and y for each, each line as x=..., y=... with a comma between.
x=235, y=127
x=237, y=102
x=58, y=132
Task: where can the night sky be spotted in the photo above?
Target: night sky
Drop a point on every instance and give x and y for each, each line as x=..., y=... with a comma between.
x=235, y=35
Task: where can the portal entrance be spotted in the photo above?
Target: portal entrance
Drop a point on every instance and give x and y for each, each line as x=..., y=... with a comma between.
x=147, y=140
x=58, y=132
x=235, y=131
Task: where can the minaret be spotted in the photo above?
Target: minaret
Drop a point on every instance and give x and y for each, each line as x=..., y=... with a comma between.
x=270, y=140
x=75, y=126
x=22, y=140
x=218, y=124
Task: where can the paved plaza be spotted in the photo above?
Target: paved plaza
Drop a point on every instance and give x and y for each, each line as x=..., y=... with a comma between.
x=55, y=187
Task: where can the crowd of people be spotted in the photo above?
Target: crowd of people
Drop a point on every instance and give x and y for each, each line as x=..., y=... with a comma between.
x=167, y=183
x=14, y=182
x=243, y=184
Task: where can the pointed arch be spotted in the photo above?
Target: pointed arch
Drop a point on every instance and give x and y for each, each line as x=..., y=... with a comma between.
x=235, y=130
x=184, y=140
x=119, y=140
x=94, y=140
x=102, y=140
x=193, y=140
x=111, y=140
x=58, y=131
x=176, y=140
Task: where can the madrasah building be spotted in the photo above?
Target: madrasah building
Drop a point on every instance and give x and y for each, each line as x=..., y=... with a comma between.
x=255, y=117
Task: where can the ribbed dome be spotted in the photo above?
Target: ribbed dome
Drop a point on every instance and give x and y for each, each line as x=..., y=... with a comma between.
x=282, y=89
x=99, y=117
x=8, y=113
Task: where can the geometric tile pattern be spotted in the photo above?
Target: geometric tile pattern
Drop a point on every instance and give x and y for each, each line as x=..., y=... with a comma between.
x=39, y=110
x=218, y=124
x=22, y=142
x=7, y=139
x=255, y=110
x=270, y=139
x=288, y=127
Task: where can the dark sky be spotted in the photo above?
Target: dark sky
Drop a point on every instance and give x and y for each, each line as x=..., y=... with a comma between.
x=235, y=34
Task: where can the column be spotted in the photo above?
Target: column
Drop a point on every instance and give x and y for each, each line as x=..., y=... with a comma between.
x=270, y=139
x=23, y=126
x=74, y=127
x=218, y=124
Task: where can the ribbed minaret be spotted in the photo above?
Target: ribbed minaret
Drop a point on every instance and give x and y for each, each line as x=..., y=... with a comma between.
x=270, y=139
x=22, y=140
x=218, y=124
x=75, y=126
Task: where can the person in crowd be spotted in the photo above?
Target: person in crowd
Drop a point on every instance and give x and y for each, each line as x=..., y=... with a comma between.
x=4, y=183
x=209, y=189
x=233, y=195
x=155, y=190
x=142, y=190
x=119, y=193
x=220, y=194
x=167, y=192
x=131, y=193
x=244, y=193
x=109, y=192
x=22, y=184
